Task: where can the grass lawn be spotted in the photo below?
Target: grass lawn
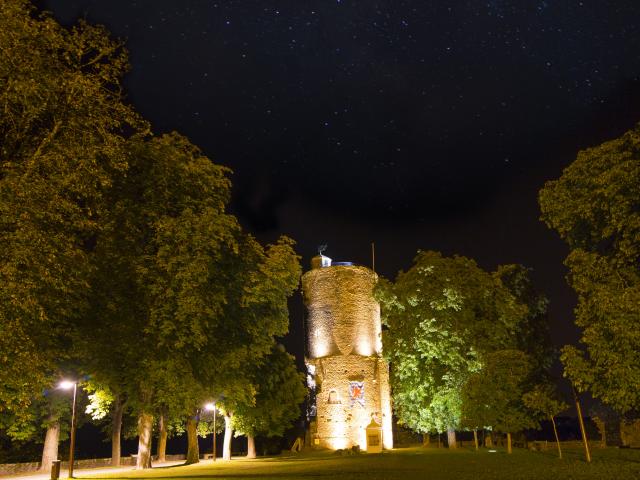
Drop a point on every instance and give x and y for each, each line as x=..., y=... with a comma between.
x=413, y=463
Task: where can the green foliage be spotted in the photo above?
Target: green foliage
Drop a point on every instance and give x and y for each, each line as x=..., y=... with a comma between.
x=493, y=397
x=595, y=207
x=53, y=406
x=279, y=390
x=443, y=315
x=544, y=402
x=100, y=402
x=117, y=255
x=60, y=144
x=185, y=299
x=532, y=335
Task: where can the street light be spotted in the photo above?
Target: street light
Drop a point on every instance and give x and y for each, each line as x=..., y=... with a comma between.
x=211, y=407
x=68, y=385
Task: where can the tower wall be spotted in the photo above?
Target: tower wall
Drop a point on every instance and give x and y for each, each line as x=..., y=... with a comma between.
x=345, y=347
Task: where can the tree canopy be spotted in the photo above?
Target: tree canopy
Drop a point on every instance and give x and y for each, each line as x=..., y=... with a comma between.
x=118, y=257
x=279, y=390
x=200, y=299
x=493, y=397
x=532, y=335
x=61, y=141
x=595, y=207
x=442, y=315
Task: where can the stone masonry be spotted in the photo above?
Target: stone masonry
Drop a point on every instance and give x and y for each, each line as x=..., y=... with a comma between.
x=350, y=377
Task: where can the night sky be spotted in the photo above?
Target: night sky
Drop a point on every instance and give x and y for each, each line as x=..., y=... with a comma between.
x=411, y=124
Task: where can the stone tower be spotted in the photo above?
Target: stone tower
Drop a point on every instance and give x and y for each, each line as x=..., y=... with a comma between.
x=346, y=368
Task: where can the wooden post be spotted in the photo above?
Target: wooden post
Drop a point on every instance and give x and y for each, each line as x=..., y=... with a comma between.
x=555, y=432
x=373, y=256
x=587, y=453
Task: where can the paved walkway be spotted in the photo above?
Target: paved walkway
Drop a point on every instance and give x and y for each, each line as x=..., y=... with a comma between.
x=82, y=472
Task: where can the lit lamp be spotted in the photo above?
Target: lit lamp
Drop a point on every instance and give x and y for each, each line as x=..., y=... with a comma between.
x=68, y=385
x=211, y=407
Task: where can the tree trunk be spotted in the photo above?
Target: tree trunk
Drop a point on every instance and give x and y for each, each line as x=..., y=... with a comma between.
x=116, y=430
x=555, y=432
x=426, y=439
x=226, y=447
x=162, y=438
x=193, y=453
x=251, y=446
x=50, y=449
x=145, y=425
x=508, y=443
x=451, y=438
x=602, y=430
x=475, y=438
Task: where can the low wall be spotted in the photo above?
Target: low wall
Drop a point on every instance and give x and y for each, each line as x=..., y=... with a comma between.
x=537, y=444
x=13, y=468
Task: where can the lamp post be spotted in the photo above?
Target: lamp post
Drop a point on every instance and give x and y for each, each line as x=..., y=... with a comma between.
x=67, y=385
x=211, y=407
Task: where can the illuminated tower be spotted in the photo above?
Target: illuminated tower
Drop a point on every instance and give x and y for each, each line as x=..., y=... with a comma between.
x=346, y=368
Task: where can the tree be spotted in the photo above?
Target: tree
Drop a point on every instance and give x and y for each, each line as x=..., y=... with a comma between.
x=61, y=137
x=595, y=207
x=115, y=242
x=532, y=333
x=199, y=299
x=61, y=134
x=279, y=390
x=103, y=403
x=543, y=401
x=494, y=395
x=606, y=420
x=442, y=315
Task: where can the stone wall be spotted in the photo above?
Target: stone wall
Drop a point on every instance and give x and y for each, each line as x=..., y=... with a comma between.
x=343, y=317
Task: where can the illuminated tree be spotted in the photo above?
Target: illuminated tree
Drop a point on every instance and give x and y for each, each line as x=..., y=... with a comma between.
x=279, y=390
x=442, y=315
x=595, y=207
x=117, y=242
x=186, y=300
x=61, y=137
x=103, y=403
x=46, y=422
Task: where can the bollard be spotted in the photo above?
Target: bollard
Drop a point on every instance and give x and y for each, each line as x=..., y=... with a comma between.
x=55, y=470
